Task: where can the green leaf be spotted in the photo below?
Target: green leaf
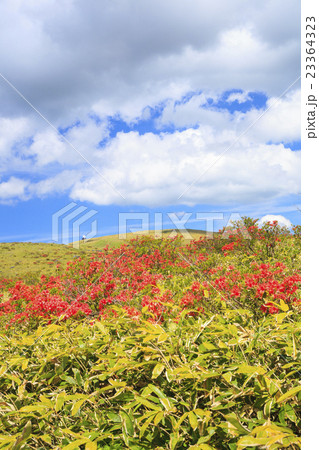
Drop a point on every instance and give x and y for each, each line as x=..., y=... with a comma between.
x=46, y=401
x=209, y=345
x=246, y=369
x=205, y=447
x=291, y=393
x=233, y=420
x=91, y=446
x=159, y=416
x=75, y=444
x=166, y=403
x=250, y=441
x=267, y=408
x=127, y=423
x=173, y=441
x=147, y=403
x=156, y=391
x=101, y=327
x=113, y=417
x=162, y=337
x=180, y=420
x=284, y=307
x=24, y=436
x=145, y=425
x=227, y=376
x=193, y=420
x=32, y=408
x=60, y=401
x=77, y=406
x=46, y=438
x=69, y=379
x=158, y=369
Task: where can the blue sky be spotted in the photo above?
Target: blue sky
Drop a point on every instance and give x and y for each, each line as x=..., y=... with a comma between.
x=162, y=113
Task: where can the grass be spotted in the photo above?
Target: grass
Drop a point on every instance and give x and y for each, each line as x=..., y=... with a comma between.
x=28, y=261
x=114, y=241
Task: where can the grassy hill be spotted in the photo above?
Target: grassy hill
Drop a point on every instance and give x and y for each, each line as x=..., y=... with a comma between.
x=30, y=260
x=114, y=241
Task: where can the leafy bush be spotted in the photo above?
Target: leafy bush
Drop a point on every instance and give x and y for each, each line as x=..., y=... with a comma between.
x=158, y=345
x=227, y=382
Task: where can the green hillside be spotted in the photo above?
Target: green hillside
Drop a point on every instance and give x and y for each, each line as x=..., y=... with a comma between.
x=114, y=241
x=30, y=260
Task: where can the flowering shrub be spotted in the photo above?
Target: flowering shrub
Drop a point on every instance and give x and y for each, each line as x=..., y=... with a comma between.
x=158, y=345
x=245, y=267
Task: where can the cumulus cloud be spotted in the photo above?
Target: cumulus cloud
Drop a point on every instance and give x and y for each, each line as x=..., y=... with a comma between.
x=83, y=64
x=155, y=170
x=13, y=188
x=240, y=97
x=216, y=162
x=280, y=123
x=283, y=221
x=67, y=57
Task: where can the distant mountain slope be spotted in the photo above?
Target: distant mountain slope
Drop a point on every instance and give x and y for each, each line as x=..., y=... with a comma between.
x=114, y=240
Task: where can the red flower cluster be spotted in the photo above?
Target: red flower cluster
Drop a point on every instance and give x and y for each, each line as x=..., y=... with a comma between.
x=159, y=278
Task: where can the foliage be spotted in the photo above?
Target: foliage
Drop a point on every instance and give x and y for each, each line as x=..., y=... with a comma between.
x=158, y=345
x=226, y=382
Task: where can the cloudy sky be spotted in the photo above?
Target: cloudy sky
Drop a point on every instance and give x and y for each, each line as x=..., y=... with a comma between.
x=147, y=106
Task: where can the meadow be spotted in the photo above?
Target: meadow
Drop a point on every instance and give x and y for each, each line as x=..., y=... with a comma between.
x=154, y=343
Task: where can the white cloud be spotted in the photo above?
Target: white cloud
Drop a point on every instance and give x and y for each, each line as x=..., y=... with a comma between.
x=155, y=170
x=67, y=57
x=73, y=59
x=240, y=97
x=13, y=188
x=280, y=123
x=283, y=221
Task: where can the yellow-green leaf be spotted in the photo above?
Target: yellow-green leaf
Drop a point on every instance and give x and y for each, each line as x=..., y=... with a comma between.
x=145, y=425
x=90, y=446
x=60, y=401
x=246, y=369
x=284, y=306
x=166, y=403
x=162, y=337
x=75, y=444
x=159, y=416
x=158, y=369
x=24, y=436
x=101, y=327
x=46, y=438
x=291, y=393
x=250, y=441
x=147, y=403
x=77, y=406
x=193, y=420
x=32, y=408
x=127, y=423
